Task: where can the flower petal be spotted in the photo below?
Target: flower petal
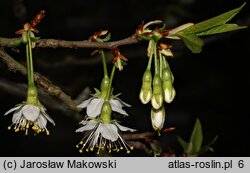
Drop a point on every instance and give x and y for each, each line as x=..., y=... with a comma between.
x=42, y=122
x=30, y=112
x=109, y=131
x=83, y=122
x=85, y=103
x=13, y=109
x=123, y=128
x=118, y=109
x=89, y=126
x=16, y=116
x=47, y=117
x=123, y=103
x=94, y=107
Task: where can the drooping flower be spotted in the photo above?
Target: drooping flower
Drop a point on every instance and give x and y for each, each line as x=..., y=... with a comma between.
x=102, y=135
x=158, y=118
x=29, y=116
x=94, y=105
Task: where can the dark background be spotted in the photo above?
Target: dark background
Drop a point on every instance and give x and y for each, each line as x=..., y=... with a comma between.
x=212, y=85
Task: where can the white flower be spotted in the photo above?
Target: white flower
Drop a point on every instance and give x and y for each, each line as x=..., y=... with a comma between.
x=28, y=115
x=158, y=118
x=103, y=135
x=94, y=106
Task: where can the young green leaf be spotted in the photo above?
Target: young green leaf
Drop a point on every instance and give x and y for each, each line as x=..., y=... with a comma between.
x=196, y=138
x=193, y=42
x=208, y=146
x=211, y=26
x=221, y=29
x=183, y=144
x=211, y=23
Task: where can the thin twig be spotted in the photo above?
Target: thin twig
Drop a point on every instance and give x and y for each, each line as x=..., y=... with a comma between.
x=53, y=43
x=136, y=136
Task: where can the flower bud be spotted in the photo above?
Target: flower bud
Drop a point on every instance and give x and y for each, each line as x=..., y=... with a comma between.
x=157, y=99
x=167, y=75
x=145, y=96
x=158, y=118
x=146, y=90
x=167, y=84
x=169, y=94
x=106, y=112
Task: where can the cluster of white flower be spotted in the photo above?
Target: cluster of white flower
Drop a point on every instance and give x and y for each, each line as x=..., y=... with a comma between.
x=100, y=134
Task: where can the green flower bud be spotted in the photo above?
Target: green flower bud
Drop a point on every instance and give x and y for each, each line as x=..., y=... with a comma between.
x=157, y=99
x=106, y=112
x=146, y=90
x=145, y=96
x=167, y=75
x=169, y=94
x=158, y=118
x=167, y=84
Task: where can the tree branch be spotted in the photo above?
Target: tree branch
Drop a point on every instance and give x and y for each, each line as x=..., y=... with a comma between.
x=137, y=136
x=41, y=81
x=53, y=43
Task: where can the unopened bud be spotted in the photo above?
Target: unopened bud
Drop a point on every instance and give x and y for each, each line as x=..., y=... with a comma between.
x=167, y=75
x=146, y=90
x=169, y=94
x=157, y=98
x=145, y=95
x=167, y=84
x=158, y=118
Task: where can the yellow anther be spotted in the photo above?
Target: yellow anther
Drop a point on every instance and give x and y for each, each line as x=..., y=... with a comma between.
x=98, y=153
x=87, y=150
x=81, y=142
x=132, y=147
x=16, y=130
x=121, y=148
x=92, y=148
x=80, y=151
x=128, y=152
x=77, y=146
x=9, y=128
x=109, y=151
